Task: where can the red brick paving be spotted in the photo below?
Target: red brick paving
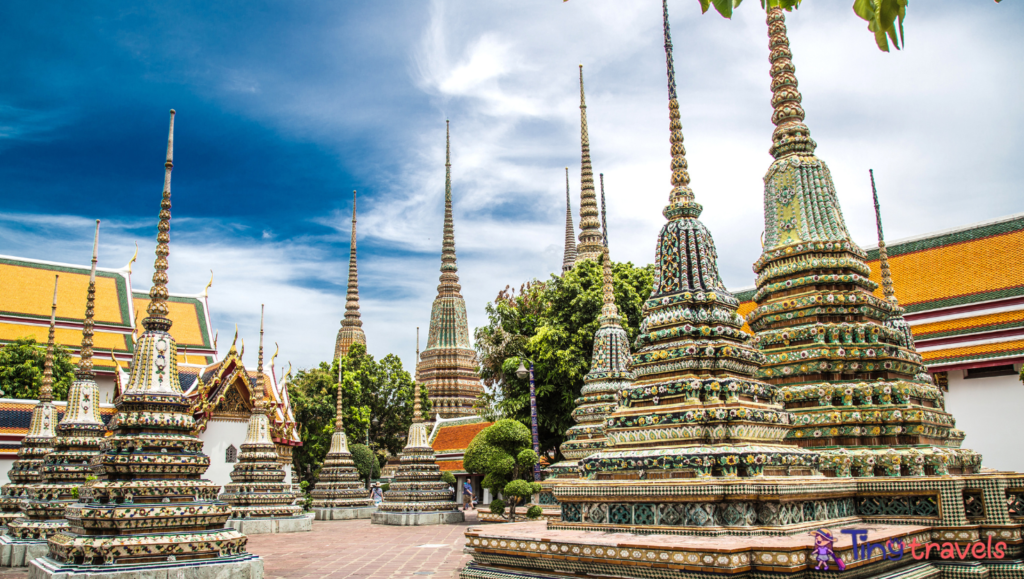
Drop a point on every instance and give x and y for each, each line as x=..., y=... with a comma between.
x=358, y=549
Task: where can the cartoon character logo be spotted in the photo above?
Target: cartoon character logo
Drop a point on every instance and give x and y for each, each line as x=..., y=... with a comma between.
x=823, y=552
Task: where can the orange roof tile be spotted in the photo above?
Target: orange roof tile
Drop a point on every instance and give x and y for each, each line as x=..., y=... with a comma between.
x=457, y=437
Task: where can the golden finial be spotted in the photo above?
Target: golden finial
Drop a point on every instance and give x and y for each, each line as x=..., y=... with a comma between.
x=215, y=335
x=84, y=371
x=416, y=410
x=259, y=402
x=449, y=279
x=274, y=357
x=569, y=258
x=208, y=284
x=883, y=255
x=46, y=389
x=681, y=200
x=132, y=260
x=791, y=135
x=241, y=349
x=117, y=374
x=158, y=311
x=590, y=227
x=234, y=341
x=339, y=424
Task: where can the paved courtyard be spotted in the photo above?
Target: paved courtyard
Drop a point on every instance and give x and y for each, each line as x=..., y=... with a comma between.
x=338, y=549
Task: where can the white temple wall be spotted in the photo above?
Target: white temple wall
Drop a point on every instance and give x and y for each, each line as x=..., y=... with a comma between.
x=106, y=384
x=218, y=436
x=988, y=410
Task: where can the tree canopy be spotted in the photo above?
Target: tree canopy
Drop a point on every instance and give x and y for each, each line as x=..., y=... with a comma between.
x=21, y=369
x=372, y=390
x=503, y=453
x=553, y=324
x=366, y=462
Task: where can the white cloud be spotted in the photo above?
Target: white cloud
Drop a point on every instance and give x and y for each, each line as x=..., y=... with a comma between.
x=938, y=122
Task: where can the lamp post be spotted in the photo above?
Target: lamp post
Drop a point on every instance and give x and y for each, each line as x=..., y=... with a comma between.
x=522, y=373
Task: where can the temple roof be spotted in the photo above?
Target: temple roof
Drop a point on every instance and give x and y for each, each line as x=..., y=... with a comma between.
x=15, y=416
x=962, y=289
x=450, y=438
x=24, y=311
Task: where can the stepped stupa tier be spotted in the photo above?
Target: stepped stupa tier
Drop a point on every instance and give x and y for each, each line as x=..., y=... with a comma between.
x=591, y=245
x=351, y=331
x=839, y=353
x=609, y=373
x=340, y=493
x=149, y=506
x=447, y=367
x=418, y=496
x=569, y=257
x=260, y=499
x=38, y=443
x=78, y=437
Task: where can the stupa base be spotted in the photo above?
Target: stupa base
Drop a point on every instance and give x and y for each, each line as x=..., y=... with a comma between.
x=267, y=525
x=344, y=514
x=532, y=551
x=18, y=553
x=243, y=566
x=410, y=519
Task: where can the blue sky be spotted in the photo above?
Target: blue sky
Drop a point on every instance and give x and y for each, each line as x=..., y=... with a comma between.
x=285, y=108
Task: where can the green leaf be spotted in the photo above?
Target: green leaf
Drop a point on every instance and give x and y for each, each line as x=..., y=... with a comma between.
x=704, y=5
x=724, y=7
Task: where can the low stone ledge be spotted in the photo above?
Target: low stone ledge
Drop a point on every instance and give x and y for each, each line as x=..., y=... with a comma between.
x=410, y=519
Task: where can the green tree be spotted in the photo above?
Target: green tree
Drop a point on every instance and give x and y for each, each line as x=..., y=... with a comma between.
x=371, y=389
x=448, y=477
x=388, y=392
x=21, y=369
x=366, y=462
x=502, y=453
x=553, y=324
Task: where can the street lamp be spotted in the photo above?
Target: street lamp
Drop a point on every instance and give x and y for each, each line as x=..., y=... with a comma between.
x=522, y=372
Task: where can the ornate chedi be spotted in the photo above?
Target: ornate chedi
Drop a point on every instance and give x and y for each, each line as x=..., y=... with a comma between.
x=78, y=437
x=590, y=246
x=418, y=496
x=447, y=368
x=569, y=257
x=696, y=457
x=26, y=469
x=339, y=493
x=840, y=354
x=609, y=373
x=260, y=499
x=149, y=507
x=351, y=331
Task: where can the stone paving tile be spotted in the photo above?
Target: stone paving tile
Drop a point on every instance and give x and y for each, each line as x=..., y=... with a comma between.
x=359, y=549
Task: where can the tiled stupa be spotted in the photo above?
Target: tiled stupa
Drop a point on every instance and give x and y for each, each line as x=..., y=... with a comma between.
x=78, y=437
x=351, y=331
x=418, y=496
x=260, y=499
x=447, y=367
x=698, y=454
x=839, y=353
x=609, y=373
x=591, y=243
x=27, y=468
x=340, y=493
x=149, y=508
x=569, y=257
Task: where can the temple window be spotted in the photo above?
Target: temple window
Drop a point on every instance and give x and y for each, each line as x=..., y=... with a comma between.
x=231, y=455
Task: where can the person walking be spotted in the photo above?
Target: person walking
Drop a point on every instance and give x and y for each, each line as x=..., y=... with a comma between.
x=467, y=495
x=377, y=494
